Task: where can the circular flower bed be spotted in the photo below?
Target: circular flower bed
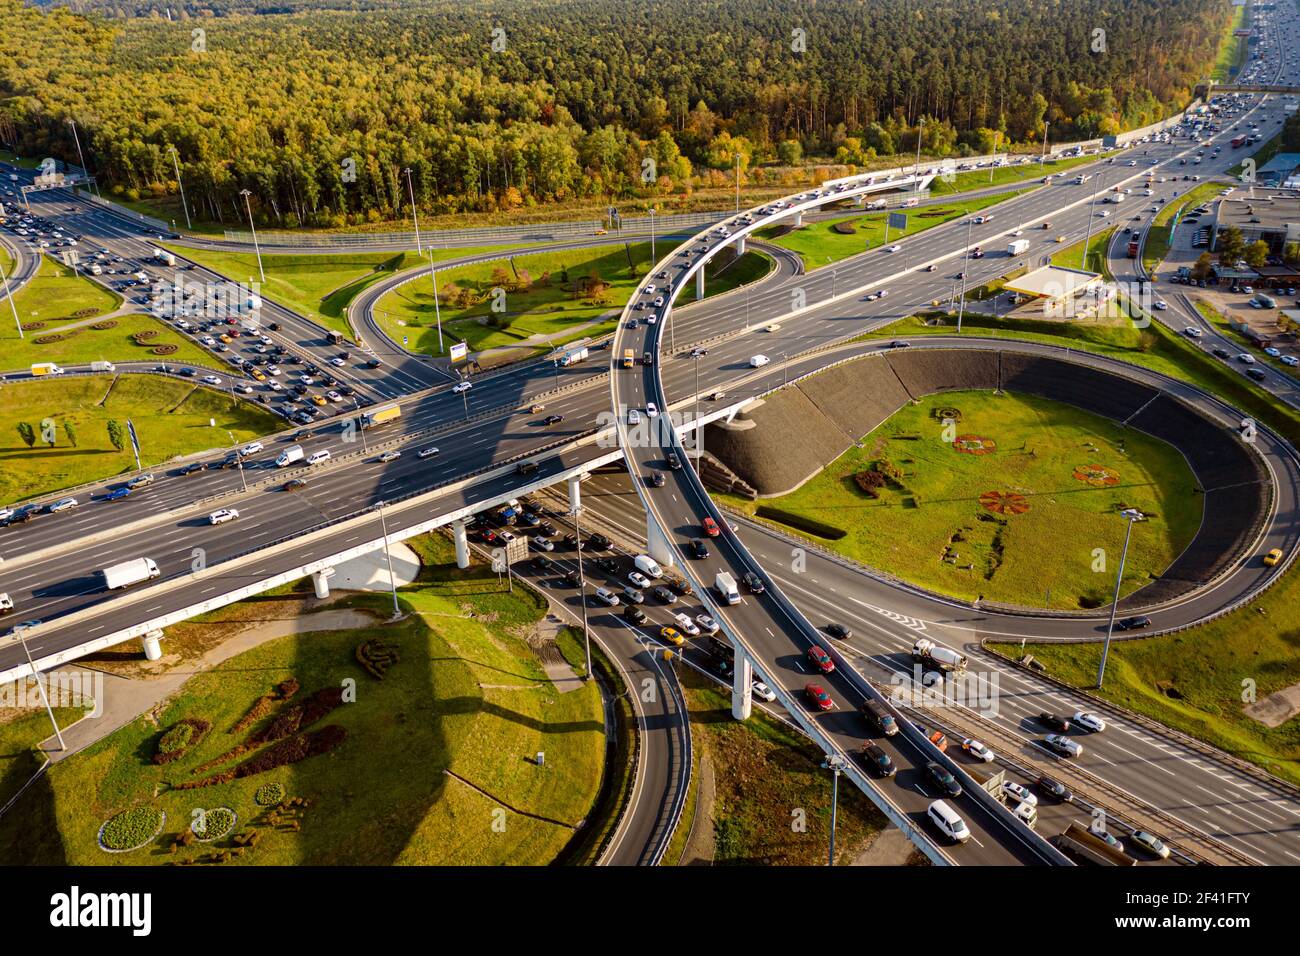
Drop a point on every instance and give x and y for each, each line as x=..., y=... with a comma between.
x=974, y=445
x=34, y=326
x=85, y=313
x=164, y=349
x=217, y=822
x=131, y=829
x=51, y=338
x=1099, y=476
x=269, y=794
x=1004, y=502
x=105, y=325
x=145, y=334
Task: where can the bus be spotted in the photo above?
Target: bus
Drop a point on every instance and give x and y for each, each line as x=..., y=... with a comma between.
x=629, y=358
x=1238, y=141
x=1132, y=248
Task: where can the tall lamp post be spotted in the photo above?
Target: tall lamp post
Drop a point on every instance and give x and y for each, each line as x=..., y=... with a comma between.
x=1092, y=211
x=1132, y=514
x=697, y=354
x=22, y=639
x=248, y=206
x=388, y=555
x=835, y=765
x=1042, y=157
x=77, y=139
x=239, y=459
x=965, y=264
x=4, y=279
x=652, y=237
x=415, y=218
x=582, y=590
x=176, y=165
x=916, y=170
x=437, y=309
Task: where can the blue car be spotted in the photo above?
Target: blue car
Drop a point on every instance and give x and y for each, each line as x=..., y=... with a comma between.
x=117, y=494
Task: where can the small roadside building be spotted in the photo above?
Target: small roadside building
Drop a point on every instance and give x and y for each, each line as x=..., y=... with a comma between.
x=1064, y=293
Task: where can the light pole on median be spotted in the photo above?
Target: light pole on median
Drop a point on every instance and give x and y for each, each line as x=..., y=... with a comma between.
x=916, y=170
x=388, y=555
x=415, y=218
x=4, y=279
x=1042, y=157
x=361, y=426
x=77, y=139
x=965, y=264
x=1132, y=515
x=652, y=237
x=699, y=430
x=582, y=590
x=248, y=206
x=437, y=309
x=1092, y=211
x=176, y=165
x=239, y=459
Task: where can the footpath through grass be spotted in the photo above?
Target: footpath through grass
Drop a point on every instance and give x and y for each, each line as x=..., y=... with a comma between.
x=1007, y=504
x=170, y=417
x=431, y=761
x=828, y=241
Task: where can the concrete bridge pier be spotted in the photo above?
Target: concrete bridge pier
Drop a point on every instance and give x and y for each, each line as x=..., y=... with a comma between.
x=151, y=641
x=699, y=283
x=657, y=543
x=575, y=493
x=742, y=687
x=740, y=246
x=462, y=543
x=798, y=220
x=321, y=581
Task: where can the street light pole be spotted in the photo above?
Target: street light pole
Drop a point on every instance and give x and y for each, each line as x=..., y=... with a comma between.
x=360, y=425
x=414, y=215
x=388, y=554
x=834, y=764
x=437, y=309
x=965, y=264
x=176, y=165
x=916, y=170
x=22, y=639
x=652, y=237
x=1042, y=157
x=77, y=139
x=1132, y=514
x=4, y=279
x=1092, y=211
x=699, y=430
x=239, y=460
x=737, y=182
x=582, y=590
x=248, y=205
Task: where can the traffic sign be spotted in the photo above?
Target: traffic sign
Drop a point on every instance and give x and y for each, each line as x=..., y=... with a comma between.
x=459, y=351
x=898, y=220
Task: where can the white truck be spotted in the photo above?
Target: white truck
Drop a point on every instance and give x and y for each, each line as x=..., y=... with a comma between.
x=126, y=573
x=573, y=356
x=725, y=585
x=165, y=257
x=648, y=566
x=1017, y=247
x=927, y=652
x=96, y=270
x=289, y=456
x=103, y=367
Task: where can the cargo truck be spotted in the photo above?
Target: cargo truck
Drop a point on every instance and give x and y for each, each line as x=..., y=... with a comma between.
x=725, y=585
x=1017, y=247
x=927, y=652
x=103, y=367
x=1087, y=848
x=126, y=573
x=1132, y=248
x=289, y=456
x=379, y=416
x=46, y=368
x=573, y=356
x=165, y=257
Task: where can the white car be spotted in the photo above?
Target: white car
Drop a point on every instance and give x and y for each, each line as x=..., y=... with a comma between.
x=1063, y=745
x=272, y=370
x=707, y=624
x=633, y=417
x=63, y=504
x=685, y=623
x=252, y=448
x=337, y=362
x=977, y=750
x=638, y=579
x=462, y=387
x=1151, y=843
x=211, y=380
x=895, y=248
x=140, y=481
x=1290, y=360
x=273, y=385
x=1089, y=721
x=1193, y=332
x=306, y=380
x=762, y=692
x=244, y=389
x=1019, y=793
x=1272, y=352
x=1161, y=305
x=334, y=396
x=222, y=516
x=317, y=457
x=1246, y=358
x=758, y=361
x=651, y=409
x=428, y=452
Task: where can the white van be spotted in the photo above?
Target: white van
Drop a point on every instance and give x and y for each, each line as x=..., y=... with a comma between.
x=317, y=457
x=289, y=456
x=647, y=566
x=949, y=823
x=6, y=603
x=758, y=361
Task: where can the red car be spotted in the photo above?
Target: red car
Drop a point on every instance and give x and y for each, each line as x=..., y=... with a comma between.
x=710, y=527
x=820, y=659
x=818, y=696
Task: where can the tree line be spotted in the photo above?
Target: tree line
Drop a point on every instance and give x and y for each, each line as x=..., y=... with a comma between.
x=319, y=110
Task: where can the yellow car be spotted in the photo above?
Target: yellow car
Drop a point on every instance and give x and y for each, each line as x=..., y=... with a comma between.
x=1060, y=238
x=226, y=338
x=258, y=375
x=672, y=636
x=1273, y=557
x=317, y=400
x=537, y=408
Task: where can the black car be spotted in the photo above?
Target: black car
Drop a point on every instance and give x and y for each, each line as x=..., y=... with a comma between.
x=698, y=548
x=754, y=583
x=531, y=507
x=607, y=564
x=572, y=579
x=681, y=587
x=188, y=372
x=875, y=758
x=1059, y=724
x=943, y=779
x=274, y=326
x=634, y=614
x=543, y=564
x=664, y=594
x=572, y=542
x=1133, y=623
x=599, y=542
x=839, y=631
x=301, y=434
x=673, y=461
x=547, y=529
x=23, y=514
x=1256, y=373
x=1055, y=790
x=657, y=479
x=1222, y=353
